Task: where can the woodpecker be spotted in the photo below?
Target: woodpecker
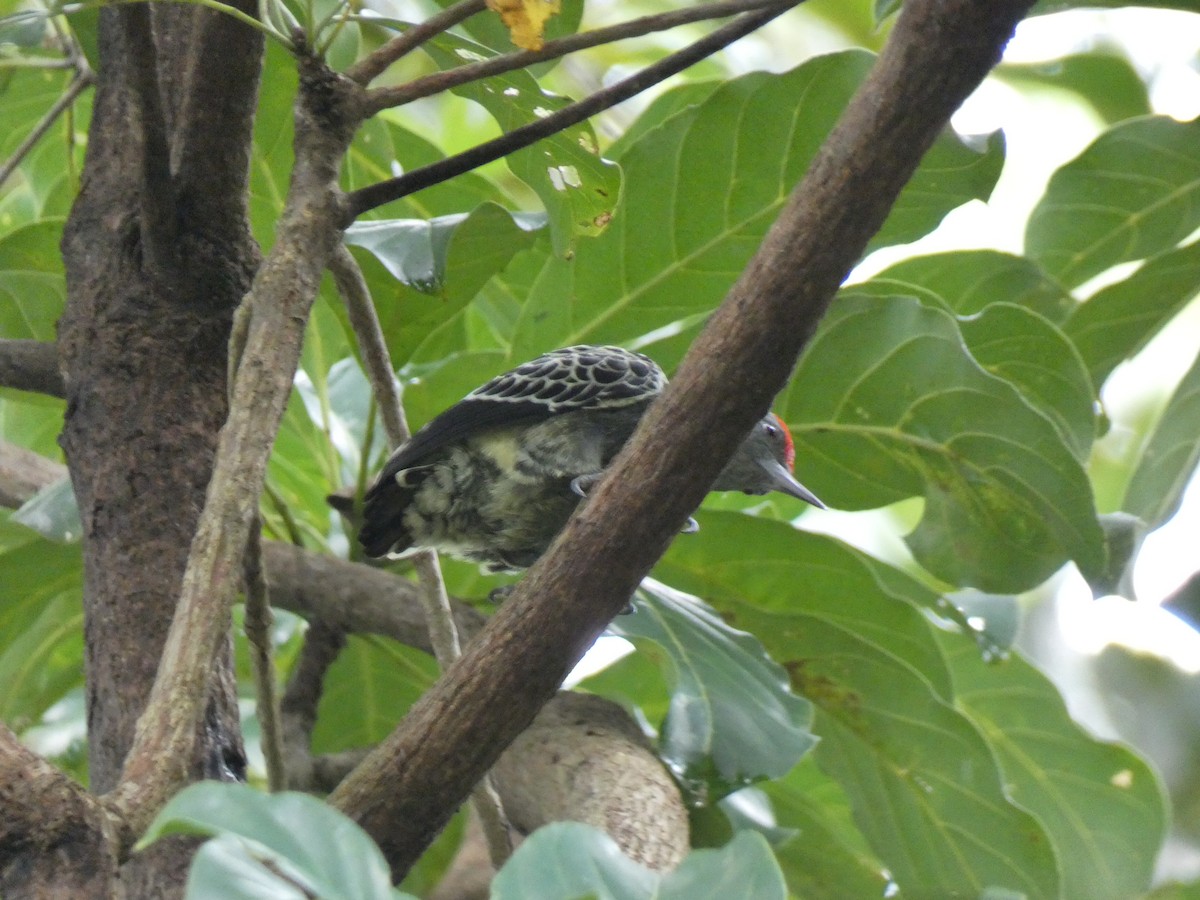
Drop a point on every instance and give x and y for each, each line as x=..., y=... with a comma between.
x=495, y=477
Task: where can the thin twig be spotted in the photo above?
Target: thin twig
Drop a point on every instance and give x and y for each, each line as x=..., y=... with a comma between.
x=398, y=95
x=376, y=195
x=443, y=634
x=84, y=79
x=370, y=67
x=35, y=62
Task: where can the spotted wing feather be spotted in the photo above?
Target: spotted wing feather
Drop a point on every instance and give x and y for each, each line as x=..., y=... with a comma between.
x=564, y=380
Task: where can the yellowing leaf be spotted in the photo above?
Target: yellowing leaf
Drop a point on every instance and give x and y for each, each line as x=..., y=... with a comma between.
x=525, y=19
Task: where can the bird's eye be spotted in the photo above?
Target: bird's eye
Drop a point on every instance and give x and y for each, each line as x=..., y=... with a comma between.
x=770, y=429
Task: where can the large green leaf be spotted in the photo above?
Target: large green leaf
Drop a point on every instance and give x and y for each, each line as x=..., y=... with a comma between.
x=572, y=860
x=1120, y=320
x=887, y=404
x=921, y=779
x=1101, y=805
x=1133, y=193
x=272, y=845
x=1170, y=457
x=702, y=188
x=732, y=717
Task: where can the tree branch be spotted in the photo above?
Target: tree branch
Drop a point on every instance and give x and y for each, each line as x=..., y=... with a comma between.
x=42, y=807
x=936, y=55
x=322, y=644
x=31, y=366
x=375, y=195
x=157, y=189
x=371, y=67
x=585, y=759
x=398, y=95
x=220, y=85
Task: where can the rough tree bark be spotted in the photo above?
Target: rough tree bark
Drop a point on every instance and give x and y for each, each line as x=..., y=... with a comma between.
x=158, y=254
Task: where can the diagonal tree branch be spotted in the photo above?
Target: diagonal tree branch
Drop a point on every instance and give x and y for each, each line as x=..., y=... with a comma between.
x=371, y=67
x=937, y=54
x=376, y=195
x=384, y=98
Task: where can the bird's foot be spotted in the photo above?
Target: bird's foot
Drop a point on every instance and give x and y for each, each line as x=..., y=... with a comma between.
x=500, y=594
x=581, y=484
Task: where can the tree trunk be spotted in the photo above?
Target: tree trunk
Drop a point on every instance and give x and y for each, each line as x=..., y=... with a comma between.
x=158, y=254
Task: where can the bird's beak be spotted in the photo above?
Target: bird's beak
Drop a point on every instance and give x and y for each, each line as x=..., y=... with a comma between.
x=785, y=482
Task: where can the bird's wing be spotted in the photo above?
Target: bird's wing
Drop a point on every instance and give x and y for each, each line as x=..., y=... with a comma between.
x=564, y=380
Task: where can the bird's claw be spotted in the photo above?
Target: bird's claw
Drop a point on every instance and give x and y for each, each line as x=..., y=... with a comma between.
x=581, y=484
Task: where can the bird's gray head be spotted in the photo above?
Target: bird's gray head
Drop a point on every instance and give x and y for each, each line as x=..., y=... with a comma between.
x=764, y=462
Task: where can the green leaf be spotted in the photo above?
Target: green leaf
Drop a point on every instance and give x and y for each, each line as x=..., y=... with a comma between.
x=578, y=188
x=32, y=285
x=953, y=171
x=415, y=251
x=702, y=188
x=53, y=513
x=887, y=404
x=732, y=718
x=571, y=860
x=1133, y=193
x=43, y=661
x=970, y=280
x=382, y=147
x=922, y=782
x=1170, y=457
x=305, y=841
x=1033, y=356
x=1106, y=81
x=1120, y=320
x=830, y=860
x=41, y=623
x=367, y=691
x=1101, y=805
